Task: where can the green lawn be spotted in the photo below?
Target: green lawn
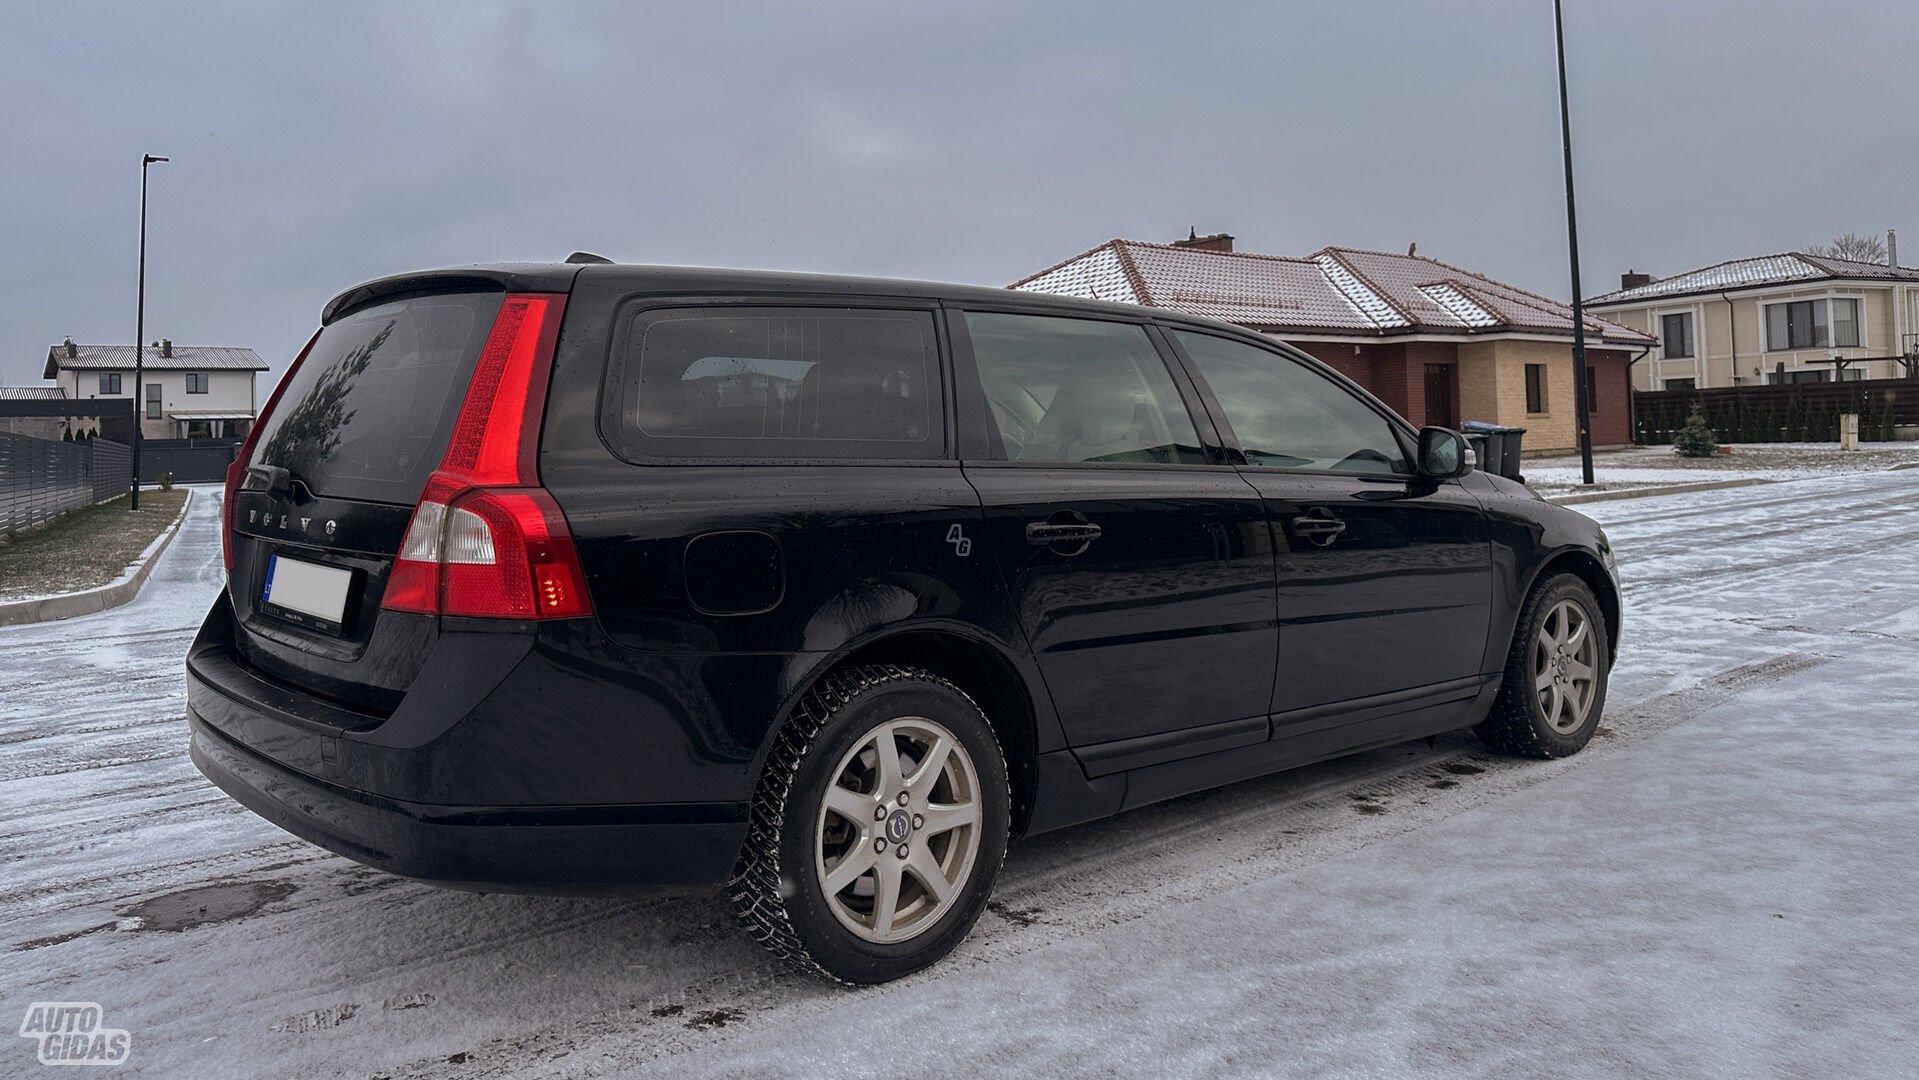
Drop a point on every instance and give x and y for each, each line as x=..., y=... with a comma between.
x=84, y=548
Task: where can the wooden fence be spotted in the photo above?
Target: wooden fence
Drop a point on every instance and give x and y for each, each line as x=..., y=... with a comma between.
x=41, y=479
x=1791, y=412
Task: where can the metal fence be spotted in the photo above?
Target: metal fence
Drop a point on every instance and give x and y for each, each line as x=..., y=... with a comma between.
x=41, y=479
x=186, y=461
x=1792, y=412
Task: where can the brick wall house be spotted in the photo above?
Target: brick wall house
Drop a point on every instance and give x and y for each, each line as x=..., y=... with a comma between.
x=1439, y=344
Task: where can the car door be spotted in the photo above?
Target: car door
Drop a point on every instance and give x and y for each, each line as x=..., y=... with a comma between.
x=1383, y=580
x=1139, y=564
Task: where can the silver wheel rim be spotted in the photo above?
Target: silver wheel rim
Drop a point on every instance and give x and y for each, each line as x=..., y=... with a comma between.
x=899, y=830
x=1566, y=667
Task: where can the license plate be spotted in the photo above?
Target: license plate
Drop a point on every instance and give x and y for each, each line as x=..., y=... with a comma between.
x=307, y=593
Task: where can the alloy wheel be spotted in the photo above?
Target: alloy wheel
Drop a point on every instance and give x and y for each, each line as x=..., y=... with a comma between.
x=1565, y=667
x=899, y=830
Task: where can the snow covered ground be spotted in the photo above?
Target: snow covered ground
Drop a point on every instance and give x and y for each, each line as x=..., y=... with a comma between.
x=1645, y=467
x=1721, y=885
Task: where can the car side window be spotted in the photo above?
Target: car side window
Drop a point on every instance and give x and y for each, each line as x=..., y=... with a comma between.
x=781, y=382
x=1289, y=416
x=1068, y=390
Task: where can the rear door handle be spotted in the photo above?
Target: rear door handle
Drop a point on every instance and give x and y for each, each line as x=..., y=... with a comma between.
x=1047, y=533
x=1320, y=529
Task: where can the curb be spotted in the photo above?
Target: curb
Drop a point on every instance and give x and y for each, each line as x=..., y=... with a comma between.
x=68, y=605
x=1646, y=493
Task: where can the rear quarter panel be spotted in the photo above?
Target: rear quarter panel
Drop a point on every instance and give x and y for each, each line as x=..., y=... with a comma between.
x=864, y=550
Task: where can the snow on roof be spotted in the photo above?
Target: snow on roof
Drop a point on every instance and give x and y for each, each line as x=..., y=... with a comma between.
x=184, y=358
x=1096, y=275
x=1782, y=269
x=1334, y=291
x=1458, y=304
x=1364, y=300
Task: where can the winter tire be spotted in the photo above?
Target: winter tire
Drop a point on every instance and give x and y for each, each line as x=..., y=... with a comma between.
x=877, y=828
x=1554, y=690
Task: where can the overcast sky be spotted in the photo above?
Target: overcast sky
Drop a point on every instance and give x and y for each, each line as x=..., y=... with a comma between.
x=315, y=145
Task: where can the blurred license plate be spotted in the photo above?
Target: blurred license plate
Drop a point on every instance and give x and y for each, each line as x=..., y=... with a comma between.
x=306, y=593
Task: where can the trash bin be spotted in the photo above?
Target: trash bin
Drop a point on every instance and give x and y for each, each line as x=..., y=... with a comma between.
x=1496, y=445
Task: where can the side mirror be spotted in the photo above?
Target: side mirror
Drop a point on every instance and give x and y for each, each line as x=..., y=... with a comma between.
x=1443, y=454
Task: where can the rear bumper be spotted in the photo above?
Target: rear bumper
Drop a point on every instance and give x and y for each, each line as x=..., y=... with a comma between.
x=405, y=793
x=569, y=850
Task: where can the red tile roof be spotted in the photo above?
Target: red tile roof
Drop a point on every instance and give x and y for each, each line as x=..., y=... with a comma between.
x=1335, y=291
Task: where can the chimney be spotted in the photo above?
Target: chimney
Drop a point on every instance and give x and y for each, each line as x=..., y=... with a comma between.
x=1632, y=279
x=166, y=348
x=72, y=349
x=1219, y=241
x=1892, y=248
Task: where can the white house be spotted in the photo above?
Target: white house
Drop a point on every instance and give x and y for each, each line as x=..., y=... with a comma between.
x=190, y=391
x=1791, y=317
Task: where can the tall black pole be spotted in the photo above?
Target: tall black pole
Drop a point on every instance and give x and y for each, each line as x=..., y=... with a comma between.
x=1581, y=406
x=140, y=333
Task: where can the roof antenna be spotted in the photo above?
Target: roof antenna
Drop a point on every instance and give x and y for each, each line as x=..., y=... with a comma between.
x=1412, y=248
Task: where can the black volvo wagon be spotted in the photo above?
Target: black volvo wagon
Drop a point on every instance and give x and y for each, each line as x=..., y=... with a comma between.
x=586, y=577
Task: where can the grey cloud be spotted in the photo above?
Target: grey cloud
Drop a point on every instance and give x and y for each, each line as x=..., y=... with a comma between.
x=317, y=145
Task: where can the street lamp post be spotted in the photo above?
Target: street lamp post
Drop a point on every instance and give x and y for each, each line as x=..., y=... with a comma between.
x=1582, y=408
x=140, y=333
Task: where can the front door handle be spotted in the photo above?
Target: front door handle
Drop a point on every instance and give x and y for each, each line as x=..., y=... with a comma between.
x=1320, y=528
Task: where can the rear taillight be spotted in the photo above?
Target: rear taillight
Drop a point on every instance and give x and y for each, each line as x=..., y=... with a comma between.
x=486, y=540
x=237, y=471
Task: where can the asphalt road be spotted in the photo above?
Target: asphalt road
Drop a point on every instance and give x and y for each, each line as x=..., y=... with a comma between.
x=1140, y=944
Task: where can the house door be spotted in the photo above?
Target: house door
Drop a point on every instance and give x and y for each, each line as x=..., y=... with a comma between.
x=1440, y=410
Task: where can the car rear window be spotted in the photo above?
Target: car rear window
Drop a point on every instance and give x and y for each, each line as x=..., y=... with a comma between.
x=368, y=414
x=778, y=383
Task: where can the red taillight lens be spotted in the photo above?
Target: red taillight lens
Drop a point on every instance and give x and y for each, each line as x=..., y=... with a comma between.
x=508, y=555
x=486, y=541
x=237, y=471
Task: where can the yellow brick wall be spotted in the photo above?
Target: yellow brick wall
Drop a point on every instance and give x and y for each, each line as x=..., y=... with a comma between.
x=1492, y=386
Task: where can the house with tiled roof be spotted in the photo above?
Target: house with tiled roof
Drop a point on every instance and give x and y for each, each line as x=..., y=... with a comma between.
x=188, y=391
x=1438, y=343
x=1790, y=317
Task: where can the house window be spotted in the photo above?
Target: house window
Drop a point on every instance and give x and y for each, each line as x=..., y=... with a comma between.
x=1808, y=324
x=196, y=382
x=1845, y=324
x=1592, y=389
x=1679, y=384
x=153, y=401
x=1676, y=332
x=1535, y=388
x=109, y=382
x=1798, y=325
x=1819, y=375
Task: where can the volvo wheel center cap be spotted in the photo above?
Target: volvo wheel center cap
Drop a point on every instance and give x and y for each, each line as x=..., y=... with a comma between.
x=898, y=826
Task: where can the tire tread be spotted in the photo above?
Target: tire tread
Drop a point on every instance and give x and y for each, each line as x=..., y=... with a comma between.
x=756, y=889
x=1512, y=725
